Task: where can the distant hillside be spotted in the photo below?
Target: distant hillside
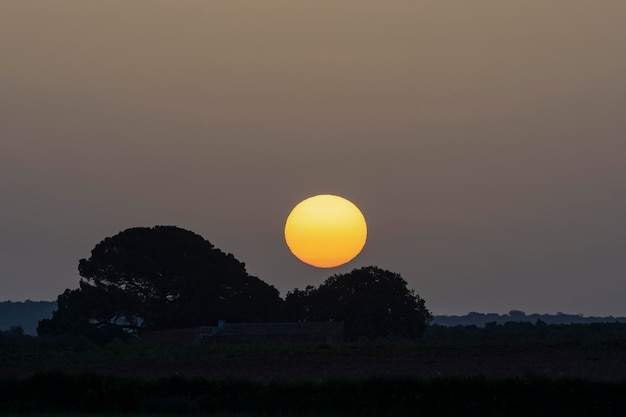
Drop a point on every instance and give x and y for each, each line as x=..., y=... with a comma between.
x=25, y=313
x=480, y=319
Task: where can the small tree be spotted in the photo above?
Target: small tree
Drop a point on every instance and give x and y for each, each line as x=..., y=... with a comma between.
x=156, y=278
x=373, y=303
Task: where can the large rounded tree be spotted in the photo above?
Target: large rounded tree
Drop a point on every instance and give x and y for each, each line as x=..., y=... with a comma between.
x=373, y=303
x=160, y=277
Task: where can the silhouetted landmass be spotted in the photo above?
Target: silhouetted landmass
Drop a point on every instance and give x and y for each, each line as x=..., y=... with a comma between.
x=481, y=319
x=165, y=277
x=27, y=314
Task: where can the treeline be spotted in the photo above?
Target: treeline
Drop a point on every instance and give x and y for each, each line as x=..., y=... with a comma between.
x=514, y=332
x=166, y=277
x=481, y=319
x=510, y=333
x=27, y=314
x=451, y=396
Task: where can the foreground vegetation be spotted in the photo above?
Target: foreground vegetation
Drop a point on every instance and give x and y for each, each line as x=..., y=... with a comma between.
x=57, y=392
x=516, y=369
x=589, y=351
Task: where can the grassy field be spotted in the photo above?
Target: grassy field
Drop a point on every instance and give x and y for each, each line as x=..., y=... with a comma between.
x=445, y=396
x=603, y=360
x=469, y=377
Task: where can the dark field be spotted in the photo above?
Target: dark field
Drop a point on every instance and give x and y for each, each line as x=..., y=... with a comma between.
x=598, y=361
x=459, y=372
x=595, y=352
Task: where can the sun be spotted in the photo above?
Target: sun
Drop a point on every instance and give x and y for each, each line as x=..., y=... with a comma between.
x=325, y=231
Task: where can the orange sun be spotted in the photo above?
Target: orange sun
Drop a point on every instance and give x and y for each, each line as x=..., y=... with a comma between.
x=325, y=231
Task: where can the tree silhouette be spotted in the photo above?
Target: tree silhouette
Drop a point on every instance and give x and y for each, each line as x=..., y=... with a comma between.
x=373, y=303
x=156, y=278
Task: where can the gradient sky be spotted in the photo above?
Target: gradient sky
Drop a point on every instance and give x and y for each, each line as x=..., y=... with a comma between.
x=484, y=141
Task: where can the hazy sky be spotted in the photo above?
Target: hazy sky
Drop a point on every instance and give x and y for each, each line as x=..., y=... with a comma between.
x=484, y=141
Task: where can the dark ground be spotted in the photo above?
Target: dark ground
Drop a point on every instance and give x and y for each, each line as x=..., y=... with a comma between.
x=599, y=361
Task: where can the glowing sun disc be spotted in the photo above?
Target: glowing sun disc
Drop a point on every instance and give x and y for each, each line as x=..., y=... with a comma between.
x=325, y=231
